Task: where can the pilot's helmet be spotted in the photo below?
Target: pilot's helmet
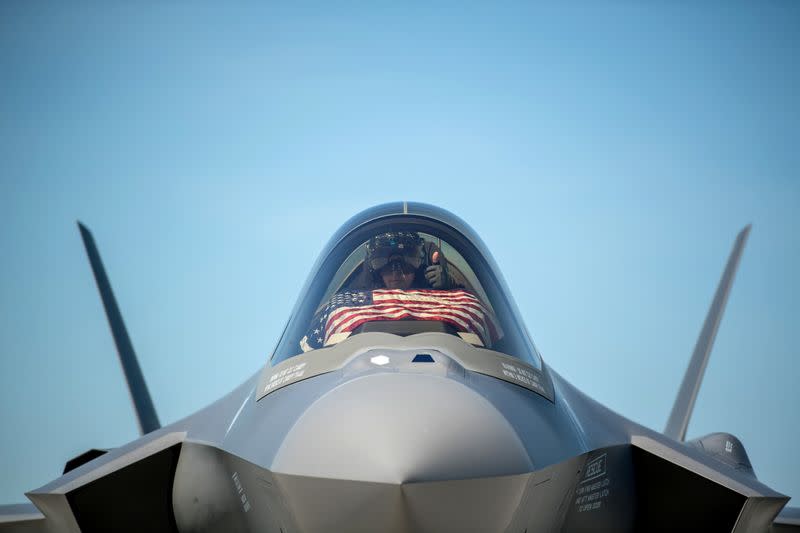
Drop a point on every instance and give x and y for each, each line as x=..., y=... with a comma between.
x=398, y=249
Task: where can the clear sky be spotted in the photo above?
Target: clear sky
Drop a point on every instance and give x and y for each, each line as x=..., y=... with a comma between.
x=608, y=153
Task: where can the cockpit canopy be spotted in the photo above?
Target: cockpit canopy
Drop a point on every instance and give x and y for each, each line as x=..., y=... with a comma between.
x=405, y=268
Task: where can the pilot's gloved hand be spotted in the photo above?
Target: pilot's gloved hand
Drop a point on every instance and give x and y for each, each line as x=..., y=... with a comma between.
x=436, y=274
x=437, y=277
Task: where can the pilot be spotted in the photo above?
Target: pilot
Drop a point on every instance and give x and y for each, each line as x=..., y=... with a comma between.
x=394, y=260
x=404, y=260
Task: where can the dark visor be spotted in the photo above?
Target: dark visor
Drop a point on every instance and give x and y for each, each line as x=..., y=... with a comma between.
x=380, y=257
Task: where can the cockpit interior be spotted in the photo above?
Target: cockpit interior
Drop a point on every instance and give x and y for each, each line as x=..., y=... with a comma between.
x=405, y=274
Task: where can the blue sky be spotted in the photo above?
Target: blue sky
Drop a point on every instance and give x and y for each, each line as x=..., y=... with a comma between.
x=606, y=153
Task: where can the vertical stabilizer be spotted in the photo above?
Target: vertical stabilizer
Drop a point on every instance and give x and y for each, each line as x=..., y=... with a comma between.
x=684, y=403
x=143, y=405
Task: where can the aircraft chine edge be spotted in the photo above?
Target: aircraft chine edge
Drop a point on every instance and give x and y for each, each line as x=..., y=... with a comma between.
x=406, y=394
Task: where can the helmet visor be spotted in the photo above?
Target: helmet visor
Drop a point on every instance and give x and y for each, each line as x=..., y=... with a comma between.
x=409, y=258
x=407, y=249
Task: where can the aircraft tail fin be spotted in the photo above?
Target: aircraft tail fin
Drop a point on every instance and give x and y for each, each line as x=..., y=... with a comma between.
x=143, y=405
x=684, y=403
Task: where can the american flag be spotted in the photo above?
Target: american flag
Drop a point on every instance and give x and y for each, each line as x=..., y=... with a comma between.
x=349, y=309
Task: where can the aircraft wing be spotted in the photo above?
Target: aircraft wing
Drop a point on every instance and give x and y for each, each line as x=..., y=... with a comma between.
x=788, y=521
x=22, y=518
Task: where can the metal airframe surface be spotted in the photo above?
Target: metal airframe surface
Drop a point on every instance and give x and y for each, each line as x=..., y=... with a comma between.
x=333, y=358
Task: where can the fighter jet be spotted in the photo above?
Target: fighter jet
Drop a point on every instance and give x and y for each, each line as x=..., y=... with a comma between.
x=405, y=394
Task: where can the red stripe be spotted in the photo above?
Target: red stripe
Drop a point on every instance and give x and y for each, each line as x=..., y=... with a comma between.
x=419, y=295
x=396, y=312
x=460, y=308
x=355, y=321
x=398, y=315
x=476, y=314
x=466, y=306
x=448, y=295
x=473, y=304
x=423, y=291
x=363, y=314
x=419, y=301
x=364, y=320
x=334, y=318
x=428, y=299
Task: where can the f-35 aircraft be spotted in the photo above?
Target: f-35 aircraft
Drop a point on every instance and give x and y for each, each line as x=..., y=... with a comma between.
x=405, y=394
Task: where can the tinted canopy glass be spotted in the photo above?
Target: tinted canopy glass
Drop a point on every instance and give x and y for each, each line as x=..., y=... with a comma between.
x=405, y=273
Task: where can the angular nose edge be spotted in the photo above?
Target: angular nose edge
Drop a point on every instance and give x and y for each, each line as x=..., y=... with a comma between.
x=402, y=428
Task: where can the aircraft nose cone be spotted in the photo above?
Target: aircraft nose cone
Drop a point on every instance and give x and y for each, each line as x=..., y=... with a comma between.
x=399, y=428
